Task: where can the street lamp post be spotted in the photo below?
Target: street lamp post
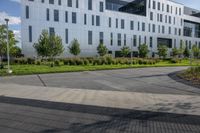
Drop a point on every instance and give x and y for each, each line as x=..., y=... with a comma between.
x=8, y=49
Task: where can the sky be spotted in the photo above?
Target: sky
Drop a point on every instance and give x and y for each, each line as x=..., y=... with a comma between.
x=11, y=9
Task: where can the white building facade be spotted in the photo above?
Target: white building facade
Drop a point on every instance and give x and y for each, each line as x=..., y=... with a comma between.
x=116, y=23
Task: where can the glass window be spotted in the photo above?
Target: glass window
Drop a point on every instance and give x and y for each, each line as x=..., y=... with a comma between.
x=135, y=40
x=92, y=19
x=27, y=12
x=77, y=3
x=151, y=42
x=47, y=13
x=101, y=37
x=154, y=5
x=51, y=31
x=119, y=38
x=116, y=23
x=89, y=4
x=122, y=24
x=158, y=5
x=90, y=37
x=154, y=28
x=151, y=15
x=132, y=25
x=56, y=15
x=124, y=39
x=101, y=8
x=111, y=39
x=30, y=33
x=138, y=26
x=167, y=8
x=66, y=16
x=110, y=22
x=97, y=20
x=66, y=36
x=69, y=3
x=143, y=26
x=74, y=17
x=85, y=19
x=59, y=2
x=51, y=1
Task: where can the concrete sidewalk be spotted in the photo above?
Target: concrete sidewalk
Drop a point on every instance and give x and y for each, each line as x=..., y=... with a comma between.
x=179, y=104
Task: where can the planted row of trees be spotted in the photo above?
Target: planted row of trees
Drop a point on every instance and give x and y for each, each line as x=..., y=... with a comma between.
x=50, y=46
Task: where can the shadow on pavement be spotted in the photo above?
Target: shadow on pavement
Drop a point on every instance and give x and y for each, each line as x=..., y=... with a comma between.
x=53, y=117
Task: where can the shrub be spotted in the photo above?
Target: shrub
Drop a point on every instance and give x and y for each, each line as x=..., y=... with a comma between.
x=30, y=61
x=175, y=60
x=38, y=62
x=21, y=61
x=86, y=62
x=57, y=63
x=66, y=61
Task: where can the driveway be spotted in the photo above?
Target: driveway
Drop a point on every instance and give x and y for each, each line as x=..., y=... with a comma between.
x=148, y=80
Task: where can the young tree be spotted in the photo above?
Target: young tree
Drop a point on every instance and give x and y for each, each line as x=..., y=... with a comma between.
x=175, y=52
x=3, y=41
x=186, y=52
x=181, y=49
x=102, y=49
x=143, y=50
x=56, y=47
x=125, y=51
x=49, y=45
x=195, y=51
x=162, y=50
x=42, y=46
x=16, y=51
x=75, y=48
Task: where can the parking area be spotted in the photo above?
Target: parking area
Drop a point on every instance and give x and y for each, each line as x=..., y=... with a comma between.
x=147, y=80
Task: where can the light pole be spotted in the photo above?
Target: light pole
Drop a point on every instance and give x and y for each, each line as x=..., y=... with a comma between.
x=8, y=49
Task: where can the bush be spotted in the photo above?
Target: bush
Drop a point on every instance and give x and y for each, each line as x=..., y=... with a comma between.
x=1, y=66
x=38, y=62
x=175, y=60
x=66, y=61
x=21, y=61
x=30, y=61
x=57, y=63
x=86, y=62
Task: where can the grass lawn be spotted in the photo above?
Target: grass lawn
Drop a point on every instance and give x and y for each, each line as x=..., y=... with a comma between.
x=41, y=69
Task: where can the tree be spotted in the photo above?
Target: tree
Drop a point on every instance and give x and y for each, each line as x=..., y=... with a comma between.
x=102, y=50
x=195, y=51
x=175, y=52
x=42, y=46
x=49, y=45
x=16, y=51
x=56, y=47
x=181, y=49
x=162, y=50
x=125, y=51
x=143, y=50
x=75, y=48
x=3, y=41
x=186, y=52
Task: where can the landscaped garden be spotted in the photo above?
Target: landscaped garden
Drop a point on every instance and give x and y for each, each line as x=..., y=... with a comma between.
x=50, y=47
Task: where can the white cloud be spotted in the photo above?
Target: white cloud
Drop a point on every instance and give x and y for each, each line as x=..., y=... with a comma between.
x=12, y=19
x=18, y=37
x=18, y=1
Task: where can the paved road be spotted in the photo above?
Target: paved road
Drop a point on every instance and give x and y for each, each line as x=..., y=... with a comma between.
x=31, y=116
x=150, y=80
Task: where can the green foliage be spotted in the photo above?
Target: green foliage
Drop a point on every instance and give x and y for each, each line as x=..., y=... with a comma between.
x=186, y=52
x=102, y=49
x=175, y=52
x=48, y=45
x=3, y=42
x=195, y=51
x=162, y=50
x=143, y=50
x=75, y=48
x=175, y=60
x=125, y=51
